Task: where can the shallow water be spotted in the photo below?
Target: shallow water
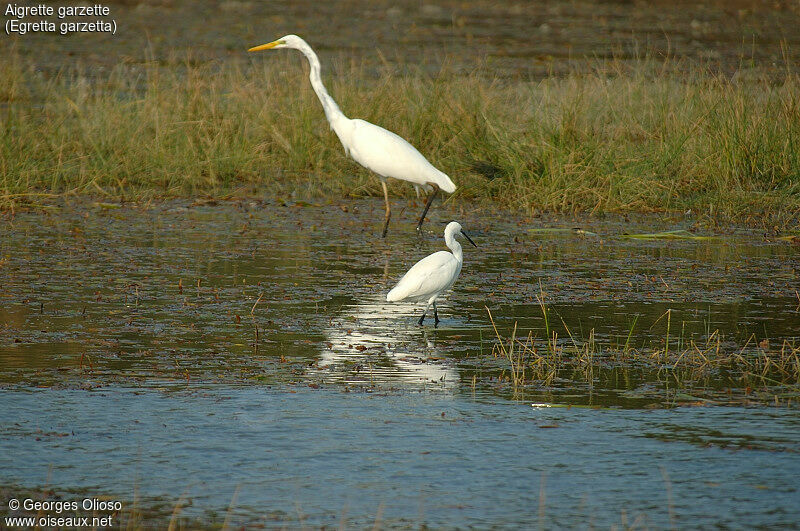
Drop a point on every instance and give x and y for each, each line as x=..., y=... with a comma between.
x=257, y=334
x=225, y=293
x=323, y=457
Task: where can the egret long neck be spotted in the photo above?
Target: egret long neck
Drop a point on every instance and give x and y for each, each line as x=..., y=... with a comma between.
x=332, y=111
x=454, y=246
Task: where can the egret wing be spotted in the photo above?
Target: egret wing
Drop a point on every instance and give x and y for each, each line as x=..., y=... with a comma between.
x=429, y=276
x=389, y=155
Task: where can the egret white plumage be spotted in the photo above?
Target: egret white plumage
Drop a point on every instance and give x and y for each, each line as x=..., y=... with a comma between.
x=433, y=275
x=372, y=146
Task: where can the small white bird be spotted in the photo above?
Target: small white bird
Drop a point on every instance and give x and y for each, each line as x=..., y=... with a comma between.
x=432, y=275
x=370, y=145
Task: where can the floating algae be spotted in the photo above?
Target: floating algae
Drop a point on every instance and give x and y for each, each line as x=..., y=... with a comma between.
x=680, y=234
x=562, y=230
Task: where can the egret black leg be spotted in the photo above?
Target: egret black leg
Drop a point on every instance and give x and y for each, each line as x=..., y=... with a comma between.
x=435, y=315
x=388, y=210
x=421, y=319
x=428, y=205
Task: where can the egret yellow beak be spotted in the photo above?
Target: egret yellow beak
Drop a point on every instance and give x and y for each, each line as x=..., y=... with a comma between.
x=267, y=46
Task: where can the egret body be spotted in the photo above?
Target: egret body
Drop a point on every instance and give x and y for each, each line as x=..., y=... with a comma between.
x=433, y=275
x=372, y=146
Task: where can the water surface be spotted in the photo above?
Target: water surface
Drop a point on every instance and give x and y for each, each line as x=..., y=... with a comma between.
x=207, y=350
x=323, y=457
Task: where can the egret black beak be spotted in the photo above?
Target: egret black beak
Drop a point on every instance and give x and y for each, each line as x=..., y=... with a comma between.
x=468, y=238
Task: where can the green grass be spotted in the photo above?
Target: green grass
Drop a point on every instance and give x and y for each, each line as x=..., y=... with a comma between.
x=651, y=139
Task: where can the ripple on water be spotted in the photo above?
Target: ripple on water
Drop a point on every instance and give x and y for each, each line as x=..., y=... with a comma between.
x=430, y=458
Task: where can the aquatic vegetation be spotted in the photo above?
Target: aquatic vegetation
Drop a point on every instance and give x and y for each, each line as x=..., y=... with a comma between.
x=692, y=370
x=518, y=354
x=679, y=234
x=560, y=230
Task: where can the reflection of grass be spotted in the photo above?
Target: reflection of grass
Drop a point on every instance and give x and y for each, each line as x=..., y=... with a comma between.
x=753, y=371
x=639, y=140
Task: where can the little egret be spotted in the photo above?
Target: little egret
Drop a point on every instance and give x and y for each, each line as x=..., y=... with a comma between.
x=372, y=146
x=432, y=275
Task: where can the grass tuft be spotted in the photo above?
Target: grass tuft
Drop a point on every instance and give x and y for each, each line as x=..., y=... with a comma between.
x=708, y=368
x=614, y=140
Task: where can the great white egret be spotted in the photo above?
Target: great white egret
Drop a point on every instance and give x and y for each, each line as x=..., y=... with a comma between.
x=433, y=275
x=372, y=146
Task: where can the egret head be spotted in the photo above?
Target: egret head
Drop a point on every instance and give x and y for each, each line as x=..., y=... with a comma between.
x=287, y=41
x=454, y=228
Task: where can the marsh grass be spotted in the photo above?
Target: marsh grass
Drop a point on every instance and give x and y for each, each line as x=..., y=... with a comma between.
x=612, y=140
x=697, y=368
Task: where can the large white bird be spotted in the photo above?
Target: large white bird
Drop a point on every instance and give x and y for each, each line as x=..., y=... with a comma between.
x=372, y=146
x=433, y=275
